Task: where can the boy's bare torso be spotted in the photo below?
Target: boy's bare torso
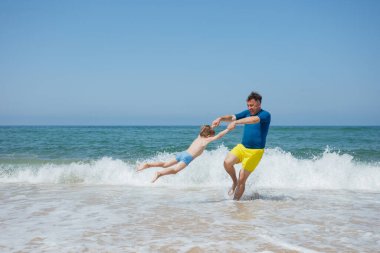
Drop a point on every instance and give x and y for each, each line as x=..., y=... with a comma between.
x=198, y=146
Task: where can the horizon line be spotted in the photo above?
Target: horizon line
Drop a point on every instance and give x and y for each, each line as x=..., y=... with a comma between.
x=169, y=125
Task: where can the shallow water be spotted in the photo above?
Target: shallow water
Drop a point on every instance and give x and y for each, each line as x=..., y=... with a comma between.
x=77, y=218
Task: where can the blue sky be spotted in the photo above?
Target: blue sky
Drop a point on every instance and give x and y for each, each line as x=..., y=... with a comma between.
x=187, y=62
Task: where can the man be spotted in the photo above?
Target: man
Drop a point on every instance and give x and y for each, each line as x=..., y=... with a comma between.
x=256, y=125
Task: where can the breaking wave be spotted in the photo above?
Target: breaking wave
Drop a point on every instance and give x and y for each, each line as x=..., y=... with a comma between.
x=278, y=169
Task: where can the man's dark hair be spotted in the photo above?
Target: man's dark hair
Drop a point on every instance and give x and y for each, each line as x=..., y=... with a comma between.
x=254, y=95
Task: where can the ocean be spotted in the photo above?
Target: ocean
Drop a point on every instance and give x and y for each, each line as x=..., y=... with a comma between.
x=75, y=189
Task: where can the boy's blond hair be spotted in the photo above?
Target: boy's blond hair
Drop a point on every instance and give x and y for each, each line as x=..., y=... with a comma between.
x=206, y=131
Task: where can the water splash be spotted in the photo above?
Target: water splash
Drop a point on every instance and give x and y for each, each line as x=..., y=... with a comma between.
x=278, y=169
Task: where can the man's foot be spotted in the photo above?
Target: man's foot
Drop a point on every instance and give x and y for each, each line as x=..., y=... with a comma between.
x=232, y=190
x=142, y=166
x=156, y=176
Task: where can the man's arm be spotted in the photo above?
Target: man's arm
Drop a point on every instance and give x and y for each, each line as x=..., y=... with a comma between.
x=244, y=121
x=248, y=120
x=227, y=118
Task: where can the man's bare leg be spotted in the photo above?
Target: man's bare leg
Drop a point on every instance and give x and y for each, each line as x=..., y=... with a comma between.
x=229, y=162
x=240, y=188
x=144, y=166
x=174, y=170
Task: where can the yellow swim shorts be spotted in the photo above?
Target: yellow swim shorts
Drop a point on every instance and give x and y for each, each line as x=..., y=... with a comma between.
x=249, y=158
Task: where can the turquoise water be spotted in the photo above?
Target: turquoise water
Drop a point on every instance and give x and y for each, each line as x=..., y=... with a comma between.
x=295, y=157
x=130, y=143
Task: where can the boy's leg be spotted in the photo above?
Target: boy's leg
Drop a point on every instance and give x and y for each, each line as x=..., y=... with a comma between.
x=156, y=164
x=174, y=170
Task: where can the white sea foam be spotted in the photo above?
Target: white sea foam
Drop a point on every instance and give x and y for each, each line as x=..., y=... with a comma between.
x=278, y=169
x=331, y=170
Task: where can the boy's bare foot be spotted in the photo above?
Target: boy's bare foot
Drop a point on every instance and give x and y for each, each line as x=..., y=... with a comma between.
x=156, y=176
x=232, y=190
x=142, y=166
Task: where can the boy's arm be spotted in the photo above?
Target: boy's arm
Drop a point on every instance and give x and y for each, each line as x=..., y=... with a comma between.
x=219, y=135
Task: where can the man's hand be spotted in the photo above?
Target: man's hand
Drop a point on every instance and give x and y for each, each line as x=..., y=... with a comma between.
x=216, y=123
x=231, y=126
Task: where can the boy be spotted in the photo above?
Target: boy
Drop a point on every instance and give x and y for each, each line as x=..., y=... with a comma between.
x=183, y=159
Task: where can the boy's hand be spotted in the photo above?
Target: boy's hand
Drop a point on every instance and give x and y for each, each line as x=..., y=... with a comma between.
x=231, y=126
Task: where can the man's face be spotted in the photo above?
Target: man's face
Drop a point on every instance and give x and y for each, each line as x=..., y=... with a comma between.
x=253, y=106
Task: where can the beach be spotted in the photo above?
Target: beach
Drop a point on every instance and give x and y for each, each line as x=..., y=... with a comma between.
x=82, y=194
x=92, y=91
